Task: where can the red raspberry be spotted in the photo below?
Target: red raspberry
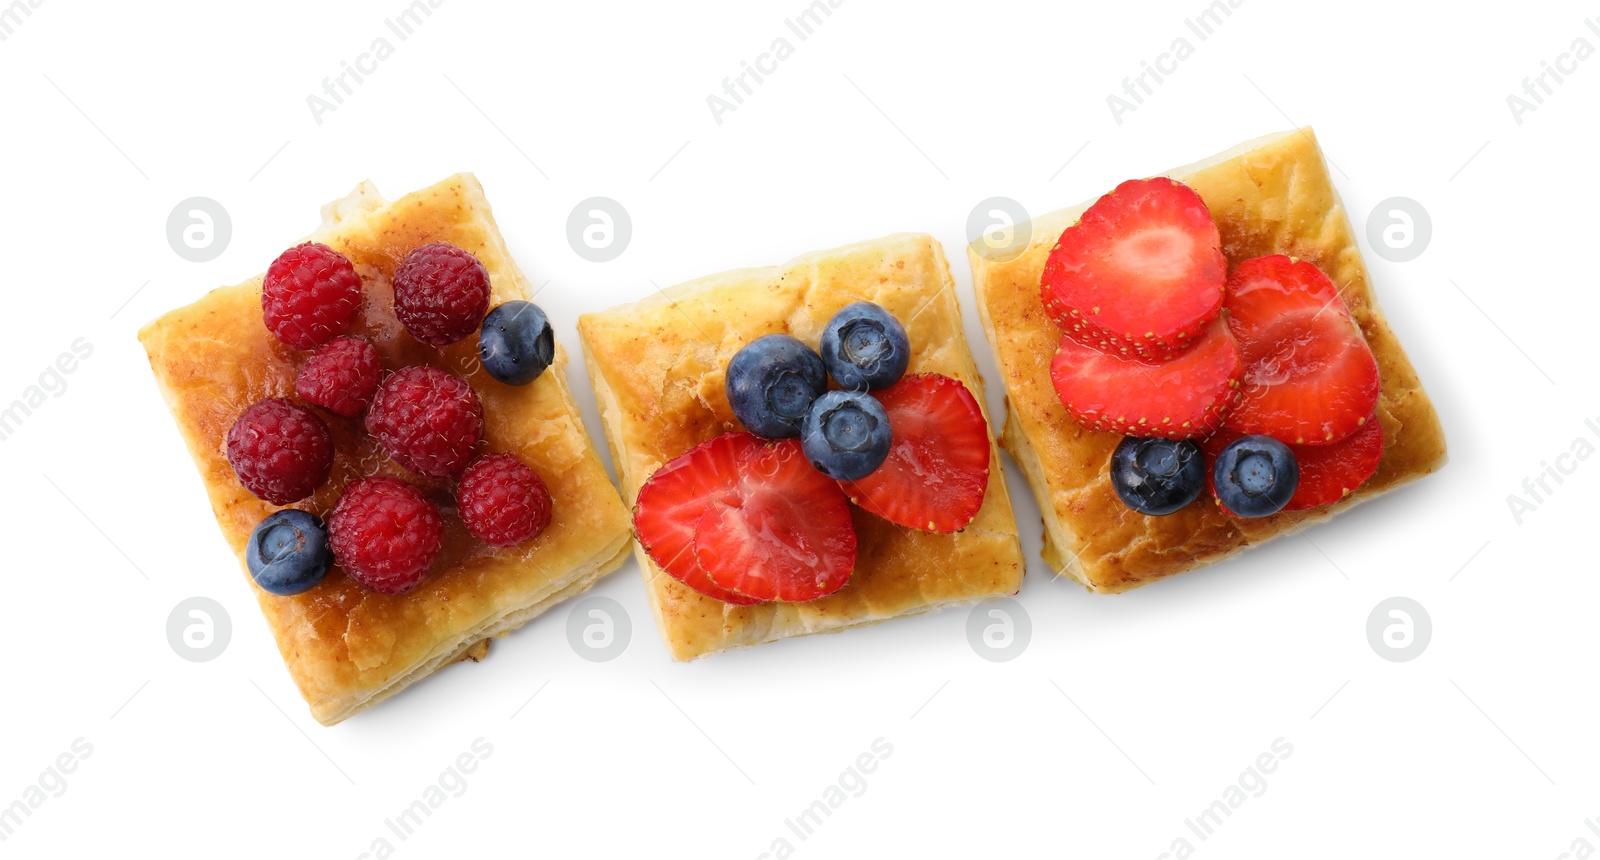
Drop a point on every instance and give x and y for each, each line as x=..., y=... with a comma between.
x=427, y=420
x=311, y=293
x=280, y=450
x=385, y=534
x=502, y=501
x=441, y=293
x=341, y=377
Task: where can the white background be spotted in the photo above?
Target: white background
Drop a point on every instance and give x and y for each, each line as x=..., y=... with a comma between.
x=1124, y=715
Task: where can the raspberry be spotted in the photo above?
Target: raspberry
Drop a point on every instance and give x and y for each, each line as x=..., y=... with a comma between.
x=311, y=293
x=385, y=534
x=427, y=420
x=502, y=501
x=441, y=293
x=341, y=377
x=280, y=450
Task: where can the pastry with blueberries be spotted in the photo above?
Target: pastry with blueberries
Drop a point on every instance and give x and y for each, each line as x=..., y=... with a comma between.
x=1196, y=363
x=382, y=424
x=805, y=447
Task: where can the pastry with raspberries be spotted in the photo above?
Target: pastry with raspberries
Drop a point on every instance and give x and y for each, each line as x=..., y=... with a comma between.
x=396, y=497
x=1195, y=363
x=805, y=447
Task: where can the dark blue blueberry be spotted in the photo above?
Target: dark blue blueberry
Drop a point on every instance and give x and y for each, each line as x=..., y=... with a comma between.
x=516, y=343
x=1157, y=476
x=1255, y=476
x=846, y=435
x=771, y=383
x=288, y=552
x=865, y=347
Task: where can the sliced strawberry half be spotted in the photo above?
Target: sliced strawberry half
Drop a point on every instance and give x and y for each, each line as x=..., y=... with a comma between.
x=672, y=503
x=784, y=533
x=1184, y=398
x=1328, y=473
x=1310, y=378
x=938, y=465
x=1141, y=273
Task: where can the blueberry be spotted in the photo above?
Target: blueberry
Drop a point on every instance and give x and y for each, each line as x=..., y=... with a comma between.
x=1157, y=476
x=1255, y=476
x=516, y=343
x=865, y=347
x=846, y=435
x=771, y=383
x=288, y=552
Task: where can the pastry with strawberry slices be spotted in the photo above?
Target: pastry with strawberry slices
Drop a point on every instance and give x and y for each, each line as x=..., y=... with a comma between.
x=1196, y=363
x=805, y=447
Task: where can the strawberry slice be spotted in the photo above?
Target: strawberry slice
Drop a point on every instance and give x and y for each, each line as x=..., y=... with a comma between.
x=938, y=465
x=1140, y=274
x=674, y=500
x=1310, y=378
x=1184, y=398
x=744, y=520
x=784, y=533
x=1328, y=473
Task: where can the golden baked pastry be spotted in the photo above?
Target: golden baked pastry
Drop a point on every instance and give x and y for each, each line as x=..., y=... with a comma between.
x=1268, y=196
x=658, y=367
x=346, y=647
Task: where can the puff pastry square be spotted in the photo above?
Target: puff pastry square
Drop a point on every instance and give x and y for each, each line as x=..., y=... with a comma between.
x=348, y=648
x=1269, y=196
x=658, y=367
